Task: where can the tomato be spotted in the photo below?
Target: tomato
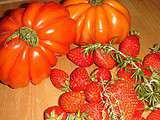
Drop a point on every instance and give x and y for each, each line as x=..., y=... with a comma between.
x=99, y=20
x=30, y=38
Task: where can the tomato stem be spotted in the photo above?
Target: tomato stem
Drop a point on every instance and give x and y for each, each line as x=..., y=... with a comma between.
x=96, y=2
x=27, y=34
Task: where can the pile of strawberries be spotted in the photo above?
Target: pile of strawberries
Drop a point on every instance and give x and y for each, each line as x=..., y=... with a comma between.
x=100, y=95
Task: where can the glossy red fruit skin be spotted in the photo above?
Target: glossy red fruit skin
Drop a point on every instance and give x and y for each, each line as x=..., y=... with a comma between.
x=27, y=56
x=130, y=46
x=145, y=70
x=128, y=74
x=94, y=111
x=154, y=115
x=72, y=102
x=77, y=56
x=93, y=92
x=125, y=75
x=99, y=20
x=124, y=91
x=137, y=115
x=103, y=59
x=58, y=78
x=79, y=79
x=152, y=60
x=58, y=111
x=102, y=74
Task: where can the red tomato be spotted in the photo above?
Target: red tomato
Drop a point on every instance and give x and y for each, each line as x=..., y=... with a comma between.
x=30, y=38
x=99, y=20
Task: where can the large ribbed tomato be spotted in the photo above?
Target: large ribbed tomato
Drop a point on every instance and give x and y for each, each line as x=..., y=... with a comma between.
x=99, y=20
x=30, y=38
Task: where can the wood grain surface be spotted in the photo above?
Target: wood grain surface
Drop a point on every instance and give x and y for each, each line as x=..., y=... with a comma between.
x=29, y=103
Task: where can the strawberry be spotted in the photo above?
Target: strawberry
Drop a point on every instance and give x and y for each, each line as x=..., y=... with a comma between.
x=152, y=60
x=130, y=46
x=147, y=72
x=79, y=79
x=77, y=56
x=123, y=97
x=137, y=115
x=103, y=59
x=128, y=73
x=94, y=111
x=55, y=113
x=101, y=74
x=59, y=79
x=72, y=102
x=123, y=74
x=154, y=115
x=93, y=92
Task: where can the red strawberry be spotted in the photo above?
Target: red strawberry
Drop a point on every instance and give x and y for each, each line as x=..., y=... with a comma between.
x=124, y=92
x=137, y=115
x=125, y=74
x=103, y=59
x=152, y=60
x=79, y=79
x=78, y=57
x=147, y=72
x=154, y=115
x=93, y=92
x=94, y=111
x=59, y=78
x=72, y=102
x=128, y=73
x=101, y=74
x=130, y=46
x=55, y=112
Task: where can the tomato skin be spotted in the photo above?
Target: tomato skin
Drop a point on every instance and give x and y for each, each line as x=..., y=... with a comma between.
x=28, y=18
x=9, y=55
x=43, y=20
x=50, y=56
x=99, y=23
x=21, y=67
x=22, y=61
x=16, y=15
x=37, y=65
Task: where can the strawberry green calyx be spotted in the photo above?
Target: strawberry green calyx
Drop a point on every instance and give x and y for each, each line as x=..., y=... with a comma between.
x=133, y=32
x=66, y=87
x=77, y=116
x=27, y=34
x=96, y=2
x=147, y=88
x=70, y=117
x=156, y=48
x=53, y=116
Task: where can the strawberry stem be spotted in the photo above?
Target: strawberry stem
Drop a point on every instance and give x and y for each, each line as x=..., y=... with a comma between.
x=156, y=48
x=133, y=32
x=66, y=87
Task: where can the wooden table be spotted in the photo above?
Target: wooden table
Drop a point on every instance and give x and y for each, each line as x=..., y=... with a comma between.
x=29, y=103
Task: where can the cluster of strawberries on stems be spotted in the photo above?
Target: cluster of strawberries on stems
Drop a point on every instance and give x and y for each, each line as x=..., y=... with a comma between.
x=122, y=86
